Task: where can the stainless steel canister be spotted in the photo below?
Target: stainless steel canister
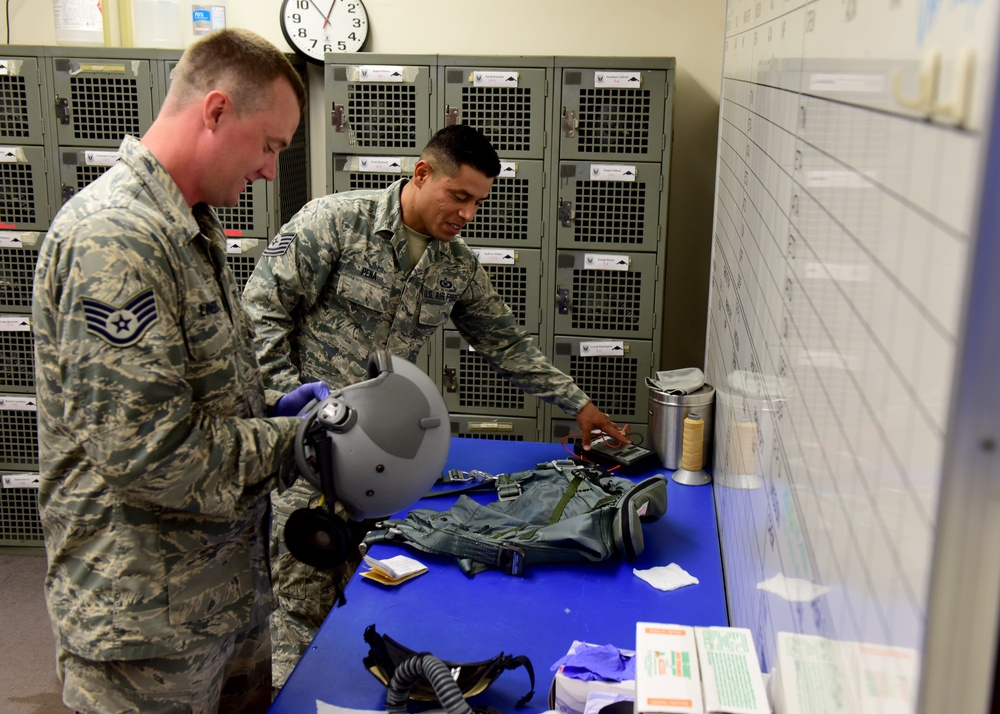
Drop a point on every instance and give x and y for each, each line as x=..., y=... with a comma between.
x=666, y=422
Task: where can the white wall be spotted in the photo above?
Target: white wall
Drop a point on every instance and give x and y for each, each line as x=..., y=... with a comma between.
x=690, y=30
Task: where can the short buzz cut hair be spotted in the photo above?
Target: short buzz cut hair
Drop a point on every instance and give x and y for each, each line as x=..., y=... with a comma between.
x=237, y=61
x=461, y=145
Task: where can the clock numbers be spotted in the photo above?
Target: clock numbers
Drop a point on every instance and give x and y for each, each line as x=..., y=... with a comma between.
x=316, y=27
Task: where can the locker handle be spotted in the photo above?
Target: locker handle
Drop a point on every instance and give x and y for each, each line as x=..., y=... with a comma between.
x=451, y=116
x=566, y=213
x=568, y=123
x=563, y=301
x=450, y=381
x=337, y=117
x=63, y=111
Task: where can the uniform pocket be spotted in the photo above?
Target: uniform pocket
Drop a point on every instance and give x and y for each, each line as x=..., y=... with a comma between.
x=362, y=293
x=207, y=567
x=208, y=331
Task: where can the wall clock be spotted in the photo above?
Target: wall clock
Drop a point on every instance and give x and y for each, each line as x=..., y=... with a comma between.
x=315, y=27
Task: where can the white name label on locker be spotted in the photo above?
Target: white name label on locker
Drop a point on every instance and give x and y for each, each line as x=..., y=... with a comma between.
x=9, y=154
x=100, y=158
x=496, y=256
x=604, y=348
x=617, y=79
x=605, y=261
x=234, y=246
x=382, y=164
x=18, y=404
x=494, y=79
x=21, y=480
x=490, y=426
x=508, y=169
x=15, y=323
x=3, y=67
x=10, y=239
x=612, y=172
x=381, y=73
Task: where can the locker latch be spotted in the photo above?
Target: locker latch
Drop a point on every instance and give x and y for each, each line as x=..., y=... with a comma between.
x=451, y=115
x=63, y=112
x=568, y=123
x=563, y=301
x=337, y=117
x=450, y=380
x=566, y=213
x=67, y=192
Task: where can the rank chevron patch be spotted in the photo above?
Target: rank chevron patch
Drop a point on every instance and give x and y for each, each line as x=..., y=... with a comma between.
x=121, y=326
x=279, y=245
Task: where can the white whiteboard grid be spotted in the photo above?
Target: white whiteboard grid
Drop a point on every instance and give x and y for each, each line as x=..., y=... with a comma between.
x=841, y=239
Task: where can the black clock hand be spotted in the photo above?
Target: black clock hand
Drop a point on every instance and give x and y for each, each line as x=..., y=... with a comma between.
x=311, y=2
x=326, y=20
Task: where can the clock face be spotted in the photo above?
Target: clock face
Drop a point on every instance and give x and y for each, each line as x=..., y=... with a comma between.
x=315, y=27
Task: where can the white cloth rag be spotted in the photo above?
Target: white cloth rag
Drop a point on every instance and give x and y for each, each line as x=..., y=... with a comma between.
x=666, y=577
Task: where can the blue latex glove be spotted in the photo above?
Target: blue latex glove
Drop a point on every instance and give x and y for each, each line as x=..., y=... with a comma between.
x=295, y=401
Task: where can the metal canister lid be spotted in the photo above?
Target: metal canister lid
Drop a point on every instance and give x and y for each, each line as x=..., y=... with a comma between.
x=700, y=397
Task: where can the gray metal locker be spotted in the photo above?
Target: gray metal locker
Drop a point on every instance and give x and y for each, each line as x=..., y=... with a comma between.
x=24, y=195
x=506, y=98
x=378, y=104
x=516, y=274
x=514, y=213
x=249, y=217
x=18, y=255
x=292, y=185
x=497, y=428
x=163, y=71
x=79, y=167
x=605, y=294
x=609, y=206
x=242, y=255
x=567, y=431
x=19, y=426
x=17, y=354
x=19, y=521
x=471, y=386
x=352, y=172
x=21, y=116
x=100, y=96
x=613, y=111
x=612, y=373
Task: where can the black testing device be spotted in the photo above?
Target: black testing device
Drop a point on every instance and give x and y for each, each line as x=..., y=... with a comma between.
x=603, y=451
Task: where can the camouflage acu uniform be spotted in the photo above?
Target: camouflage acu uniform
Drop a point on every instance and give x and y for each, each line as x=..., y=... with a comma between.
x=156, y=462
x=334, y=284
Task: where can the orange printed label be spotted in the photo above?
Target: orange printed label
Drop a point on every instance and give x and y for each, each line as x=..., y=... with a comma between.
x=664, y=631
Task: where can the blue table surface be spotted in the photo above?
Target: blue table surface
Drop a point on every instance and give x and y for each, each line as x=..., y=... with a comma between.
x=539, y=615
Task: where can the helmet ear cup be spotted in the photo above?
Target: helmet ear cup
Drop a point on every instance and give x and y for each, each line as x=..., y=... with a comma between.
x=318, y=538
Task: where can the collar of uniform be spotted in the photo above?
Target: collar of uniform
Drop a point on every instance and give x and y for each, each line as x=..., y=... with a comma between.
x=389, y=221
x=160, y=185
x=209, y=225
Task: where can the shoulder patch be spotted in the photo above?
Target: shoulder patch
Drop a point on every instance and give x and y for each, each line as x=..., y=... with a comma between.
x=124, y=325
x=280, y=244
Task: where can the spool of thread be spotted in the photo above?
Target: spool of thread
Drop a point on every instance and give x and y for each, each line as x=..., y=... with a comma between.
x=742, y=447
x=692, y=441
x=691, y=472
